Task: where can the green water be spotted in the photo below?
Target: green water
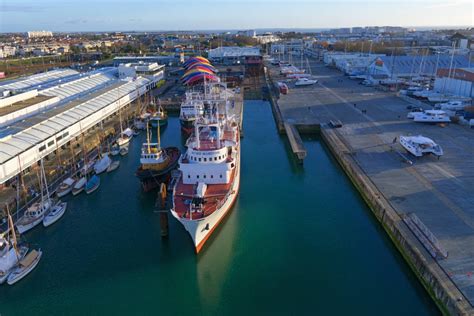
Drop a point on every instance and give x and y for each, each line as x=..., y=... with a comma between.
x=299, y=241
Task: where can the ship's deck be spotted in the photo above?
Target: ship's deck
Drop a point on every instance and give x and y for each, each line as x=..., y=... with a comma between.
x=213, y=198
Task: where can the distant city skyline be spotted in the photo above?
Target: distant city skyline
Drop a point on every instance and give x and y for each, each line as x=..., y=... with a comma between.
x=144, y=15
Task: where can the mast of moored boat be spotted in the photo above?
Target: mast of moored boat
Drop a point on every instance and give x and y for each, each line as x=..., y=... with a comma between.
x=148, y=138
x=12, y=228
x=45, y=180
x=158, y=138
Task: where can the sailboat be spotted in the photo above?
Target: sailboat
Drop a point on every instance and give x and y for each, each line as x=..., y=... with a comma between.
x=25, y=266
x=56, y=213
x=36, y=212
x=10, y=254
x=156, y=163
x=103, y=163
x=93, y=184
x=125, y=135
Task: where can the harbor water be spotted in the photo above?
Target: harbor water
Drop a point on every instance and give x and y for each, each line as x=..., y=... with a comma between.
x=299, y=241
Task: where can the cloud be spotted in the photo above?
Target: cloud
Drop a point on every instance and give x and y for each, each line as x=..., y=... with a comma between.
x=76, y=21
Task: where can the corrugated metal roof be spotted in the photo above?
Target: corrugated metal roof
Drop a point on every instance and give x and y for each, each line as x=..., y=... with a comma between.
x=38, y=79
x=11, y=146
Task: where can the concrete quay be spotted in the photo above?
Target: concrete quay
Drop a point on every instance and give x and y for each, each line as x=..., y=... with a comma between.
x=439, y=192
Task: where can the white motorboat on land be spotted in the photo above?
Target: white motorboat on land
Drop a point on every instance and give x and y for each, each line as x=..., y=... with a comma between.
x=455, y=105
x=79, y=186
x=65, y=187
x=431, y=116
x=419, y=145
x=411, y=114
x=25, y=266
x=297, y=76
x=102, y=164
x=305, y=82
x=113, y=166
x=438, y=97
x=56, y=213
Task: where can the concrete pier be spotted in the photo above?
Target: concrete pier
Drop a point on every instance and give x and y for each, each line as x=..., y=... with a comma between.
x=295, y=142
x=440, y=193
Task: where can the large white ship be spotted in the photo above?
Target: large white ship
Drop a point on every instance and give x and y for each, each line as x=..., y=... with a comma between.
x=210, y=175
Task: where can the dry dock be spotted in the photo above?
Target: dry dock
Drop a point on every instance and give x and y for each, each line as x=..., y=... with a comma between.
x=426, y=207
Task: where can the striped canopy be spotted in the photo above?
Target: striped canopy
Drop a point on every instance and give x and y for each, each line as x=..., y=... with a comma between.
x=198, y=69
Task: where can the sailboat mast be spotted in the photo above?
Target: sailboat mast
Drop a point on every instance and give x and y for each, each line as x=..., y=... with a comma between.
x=148, y=138
x=158, y=140
x=45, y=180
x=12, y=228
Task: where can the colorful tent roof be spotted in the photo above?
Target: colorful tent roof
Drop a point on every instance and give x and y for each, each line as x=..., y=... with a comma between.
x=198, y=69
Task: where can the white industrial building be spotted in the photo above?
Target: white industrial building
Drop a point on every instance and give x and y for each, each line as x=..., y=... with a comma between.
x=45, y=119
x=412, y=66
x=458, y=82
x=39, y=34
x=232, y=54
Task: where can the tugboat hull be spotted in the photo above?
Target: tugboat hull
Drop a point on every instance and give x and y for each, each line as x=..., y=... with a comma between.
x=152, y=178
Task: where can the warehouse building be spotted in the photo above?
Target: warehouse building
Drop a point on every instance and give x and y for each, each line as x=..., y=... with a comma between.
x=458, y=82
x=232, y=55
x=60, y=113
x=412, y=66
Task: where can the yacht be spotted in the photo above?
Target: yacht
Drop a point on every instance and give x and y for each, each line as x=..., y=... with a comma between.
x=431, y=116
x=420, y=145
x=38, y=210
x=305, y=82
x=454, y=105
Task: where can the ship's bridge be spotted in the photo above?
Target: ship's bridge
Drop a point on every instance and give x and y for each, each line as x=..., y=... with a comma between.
x=206, y=156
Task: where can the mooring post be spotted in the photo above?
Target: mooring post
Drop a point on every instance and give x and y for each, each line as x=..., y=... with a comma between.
x=161, y=207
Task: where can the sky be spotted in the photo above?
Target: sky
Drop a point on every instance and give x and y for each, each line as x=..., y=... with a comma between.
x=139, y=15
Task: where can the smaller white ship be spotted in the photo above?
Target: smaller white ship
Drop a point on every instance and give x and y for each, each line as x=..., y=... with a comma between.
x=420, y=145
x=305, y=82
x=431, y=116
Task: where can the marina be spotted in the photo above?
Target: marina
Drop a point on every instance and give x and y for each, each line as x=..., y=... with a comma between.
x=110, y=224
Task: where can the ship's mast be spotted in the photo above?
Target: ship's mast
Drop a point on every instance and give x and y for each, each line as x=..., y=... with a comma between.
x=196, y=131
x=158, y=140
x=148, y=138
